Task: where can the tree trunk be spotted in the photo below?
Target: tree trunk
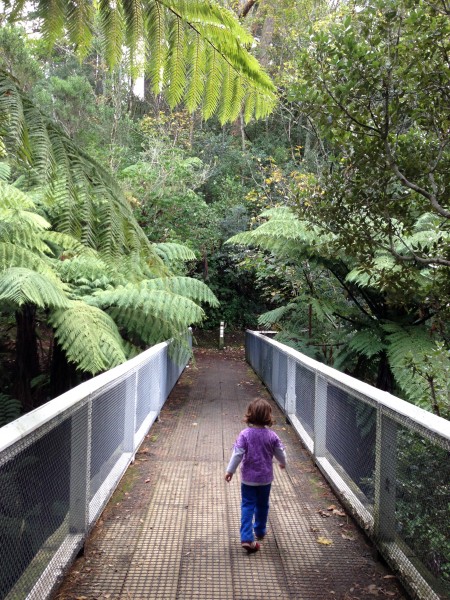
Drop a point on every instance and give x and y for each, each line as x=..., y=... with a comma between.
x=385, y=379
x=63, y=375
x=27, y=358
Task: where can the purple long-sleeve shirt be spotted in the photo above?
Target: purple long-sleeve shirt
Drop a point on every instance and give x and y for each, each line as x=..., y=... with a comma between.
x=255, y=447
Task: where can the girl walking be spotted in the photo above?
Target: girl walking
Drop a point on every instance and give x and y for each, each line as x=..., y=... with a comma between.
x=255, y=447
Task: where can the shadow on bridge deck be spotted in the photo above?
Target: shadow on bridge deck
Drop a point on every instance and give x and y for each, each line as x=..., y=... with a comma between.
x=171, y=531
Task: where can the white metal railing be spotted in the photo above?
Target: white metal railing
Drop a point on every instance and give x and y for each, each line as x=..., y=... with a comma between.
x=386, y=459
x=60, y=463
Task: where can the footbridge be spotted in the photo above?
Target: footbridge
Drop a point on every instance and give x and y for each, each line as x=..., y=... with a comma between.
x=116, y=489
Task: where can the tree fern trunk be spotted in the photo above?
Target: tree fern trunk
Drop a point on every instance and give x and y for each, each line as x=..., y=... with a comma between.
x=27, y=358
x=385, y=379
x=63, y=375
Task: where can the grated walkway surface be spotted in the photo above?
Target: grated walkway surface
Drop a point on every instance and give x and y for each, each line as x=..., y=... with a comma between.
x=171, y=531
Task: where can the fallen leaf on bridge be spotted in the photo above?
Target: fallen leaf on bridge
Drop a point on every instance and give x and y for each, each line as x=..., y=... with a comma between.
x=324, y=541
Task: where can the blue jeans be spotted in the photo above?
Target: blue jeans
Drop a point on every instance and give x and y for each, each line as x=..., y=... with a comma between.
x=254, y=510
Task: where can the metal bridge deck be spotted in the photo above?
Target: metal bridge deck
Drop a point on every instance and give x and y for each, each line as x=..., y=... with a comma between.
x=171, y=531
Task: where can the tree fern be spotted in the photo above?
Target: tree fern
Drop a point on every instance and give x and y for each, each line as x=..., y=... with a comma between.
x=138, y=23
x=284, y=235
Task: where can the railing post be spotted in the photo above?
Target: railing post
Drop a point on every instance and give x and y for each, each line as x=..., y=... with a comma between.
x=221, y=335
x=385, y=478
x=320, y=416
x=80, y=469
x=291, y=398
x=130, y=411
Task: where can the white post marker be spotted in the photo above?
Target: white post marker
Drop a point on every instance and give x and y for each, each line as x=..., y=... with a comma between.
x=221, y=337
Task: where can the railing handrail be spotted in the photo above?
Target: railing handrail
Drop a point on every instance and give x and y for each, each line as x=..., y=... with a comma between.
x=420, y=416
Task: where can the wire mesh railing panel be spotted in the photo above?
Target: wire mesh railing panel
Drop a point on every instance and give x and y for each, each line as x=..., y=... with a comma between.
x=266, y=364
x=108, y=433
x=178, y=355
x=279, y=377
x=350, y=441
x=422, y=503
x=304, y=397
x=149, y=389
x=34, y=505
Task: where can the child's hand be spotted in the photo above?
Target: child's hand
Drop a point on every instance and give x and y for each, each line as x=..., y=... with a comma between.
x=228, y=477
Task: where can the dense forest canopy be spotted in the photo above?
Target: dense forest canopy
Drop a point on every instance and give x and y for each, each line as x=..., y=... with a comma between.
x=290, y=160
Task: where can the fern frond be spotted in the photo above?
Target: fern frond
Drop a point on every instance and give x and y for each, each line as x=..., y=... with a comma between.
x=226, y=96
x=85, y=200
x=53, y=15
x=14, y=199
x=196, y=75
x=112, y=28
x=66, y=243
x=187, y=287
x=80, y=16
x=10, y=409
x=12, y=255
x=171, y=252
x=410, y=346
x=88, y=336
x=278, y=233
x=249, y=105
x=84, y=269
x=176, y=68
x=134, y=23
x=367, y=342
x=151, y=303
x=156, y=50
x=5, y=172
x=19, y=286
x=214, y=78
x=271, y=317
x=216, y=27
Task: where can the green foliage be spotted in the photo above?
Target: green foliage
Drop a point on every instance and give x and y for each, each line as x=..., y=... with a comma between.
x=19, y=286
x=88, y=336
x=191, y=48
x=10, y=409
x=422, y=492
x=421, y=367
x=174, y=253
x=81, y=198
x=16, y=58
x=373, y=334
x=157, y=309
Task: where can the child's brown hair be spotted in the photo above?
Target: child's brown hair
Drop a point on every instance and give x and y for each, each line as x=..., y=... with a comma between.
x=259, y=412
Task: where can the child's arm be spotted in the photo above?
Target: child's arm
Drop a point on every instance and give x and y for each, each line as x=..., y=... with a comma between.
x=235, y=460
x=280, y=455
